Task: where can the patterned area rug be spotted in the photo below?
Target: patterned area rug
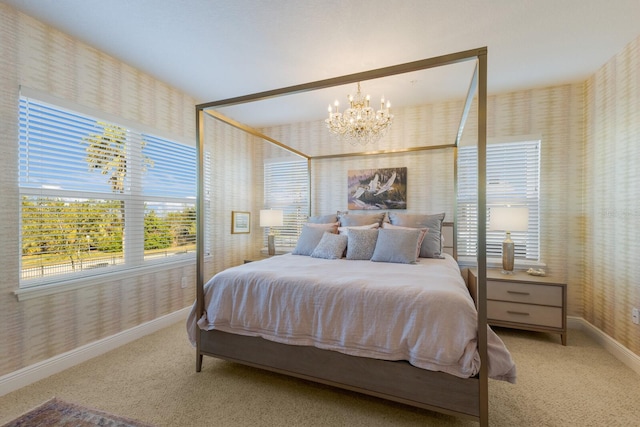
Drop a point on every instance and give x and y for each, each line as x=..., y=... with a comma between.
x=56, y=412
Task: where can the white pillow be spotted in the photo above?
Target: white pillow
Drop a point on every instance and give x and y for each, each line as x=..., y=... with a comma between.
x=343, y=230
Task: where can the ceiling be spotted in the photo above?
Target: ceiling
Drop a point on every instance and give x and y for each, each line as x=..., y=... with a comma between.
x=218, y=49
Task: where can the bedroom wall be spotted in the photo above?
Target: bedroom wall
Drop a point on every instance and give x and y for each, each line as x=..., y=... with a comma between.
x=236, y=185
x=39, y=57
x=554, y=114
x=612, y=210
x=429, y=172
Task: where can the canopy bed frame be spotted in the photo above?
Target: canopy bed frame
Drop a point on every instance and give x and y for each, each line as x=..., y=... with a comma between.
x=393, y=380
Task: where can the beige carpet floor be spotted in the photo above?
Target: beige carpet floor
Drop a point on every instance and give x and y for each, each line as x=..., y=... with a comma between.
x=154, y=380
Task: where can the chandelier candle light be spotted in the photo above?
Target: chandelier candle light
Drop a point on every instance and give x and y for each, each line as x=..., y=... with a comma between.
x=508, y=219
x=360, y=123
x=271, y=218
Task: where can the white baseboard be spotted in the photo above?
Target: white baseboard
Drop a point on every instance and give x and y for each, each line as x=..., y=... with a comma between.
x=619, y=351
x=30, y=374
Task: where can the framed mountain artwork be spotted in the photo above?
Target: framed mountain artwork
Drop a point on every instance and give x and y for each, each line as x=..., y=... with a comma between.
x=377, y=188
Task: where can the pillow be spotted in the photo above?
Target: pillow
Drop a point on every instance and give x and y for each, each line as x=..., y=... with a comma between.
x=364, y=219
x=331, y=246
x=331, y=227
x=397, y=246
x=343, y=230
x=361, y=242
x=423, y=233
x=322, y=219
x=432, y=243
x=308, y=240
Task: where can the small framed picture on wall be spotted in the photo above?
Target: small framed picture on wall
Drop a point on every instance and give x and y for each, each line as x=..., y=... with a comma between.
x=240, y=222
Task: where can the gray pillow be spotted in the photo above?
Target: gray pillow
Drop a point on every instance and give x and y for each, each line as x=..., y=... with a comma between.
x=331, y=246
x=364, y=219
x=396, y=245
x=432, y=243
x=308, y=240
x=331, y=227
x=361, y=243
x=323, y=219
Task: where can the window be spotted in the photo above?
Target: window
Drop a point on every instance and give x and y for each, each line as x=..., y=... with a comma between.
x=98, y=196
x=513, y=177
x=286, y=187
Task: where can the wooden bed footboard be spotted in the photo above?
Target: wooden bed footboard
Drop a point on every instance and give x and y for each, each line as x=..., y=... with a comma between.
x=397, y=381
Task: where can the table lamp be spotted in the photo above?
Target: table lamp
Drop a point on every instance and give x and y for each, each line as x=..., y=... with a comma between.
x=506, y=218
x=271, y=218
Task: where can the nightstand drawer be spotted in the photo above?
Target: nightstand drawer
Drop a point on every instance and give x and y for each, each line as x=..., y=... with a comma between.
x=524, y=293
x=525, y=313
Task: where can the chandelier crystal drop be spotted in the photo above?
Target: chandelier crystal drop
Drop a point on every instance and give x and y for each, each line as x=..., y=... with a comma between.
x=360, y=124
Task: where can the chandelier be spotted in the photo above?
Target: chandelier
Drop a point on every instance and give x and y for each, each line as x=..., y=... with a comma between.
x=360, y=123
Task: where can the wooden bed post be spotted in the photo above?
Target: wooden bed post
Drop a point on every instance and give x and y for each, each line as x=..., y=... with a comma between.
x=200, y=227
x=482, y=239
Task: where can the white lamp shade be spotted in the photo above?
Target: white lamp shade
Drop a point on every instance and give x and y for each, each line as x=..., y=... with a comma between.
x=271, y=218
x=509, y=219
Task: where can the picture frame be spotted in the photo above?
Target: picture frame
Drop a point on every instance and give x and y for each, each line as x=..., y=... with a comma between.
x=240, y=222
x=380, y=188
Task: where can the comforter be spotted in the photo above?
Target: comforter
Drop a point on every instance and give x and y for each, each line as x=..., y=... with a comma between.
x=421, y=313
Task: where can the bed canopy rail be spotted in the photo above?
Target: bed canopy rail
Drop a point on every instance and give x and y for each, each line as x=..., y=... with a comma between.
x=477, y=89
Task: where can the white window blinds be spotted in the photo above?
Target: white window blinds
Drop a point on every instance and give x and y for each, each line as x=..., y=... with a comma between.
x=98, y=196
x=513, y=178
x=286, y=187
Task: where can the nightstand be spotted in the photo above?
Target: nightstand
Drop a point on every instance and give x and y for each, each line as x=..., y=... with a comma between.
x=522, y=301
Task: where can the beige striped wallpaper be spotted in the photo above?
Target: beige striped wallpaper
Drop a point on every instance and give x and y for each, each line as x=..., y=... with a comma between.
x=41, y=58
x=610, y=229
x=589, y=135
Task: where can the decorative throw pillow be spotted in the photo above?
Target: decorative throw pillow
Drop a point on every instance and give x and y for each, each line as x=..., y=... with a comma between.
x=322, y=219
x=308, y=240
x=343, y=230
x=432, y=243
x=363, y=219
x=331, y=246
x=331, y=227
x=361, y=243
x=420, y=239
x=397, y=246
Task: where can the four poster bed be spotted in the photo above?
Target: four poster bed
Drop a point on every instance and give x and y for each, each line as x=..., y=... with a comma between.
x=379, y=345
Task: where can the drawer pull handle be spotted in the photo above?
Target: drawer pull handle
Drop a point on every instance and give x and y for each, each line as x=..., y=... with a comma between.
x=518, y=293
x=520, y=313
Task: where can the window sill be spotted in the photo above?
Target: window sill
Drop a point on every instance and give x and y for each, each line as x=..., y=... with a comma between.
x=471, y=262
x=37, y=291
x=280, y=250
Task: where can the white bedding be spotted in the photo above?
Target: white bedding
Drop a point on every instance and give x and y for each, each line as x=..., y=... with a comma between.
x=421, y=313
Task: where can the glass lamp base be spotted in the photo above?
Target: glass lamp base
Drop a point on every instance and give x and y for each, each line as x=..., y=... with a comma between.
x=507, y=255
x=271, y=244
